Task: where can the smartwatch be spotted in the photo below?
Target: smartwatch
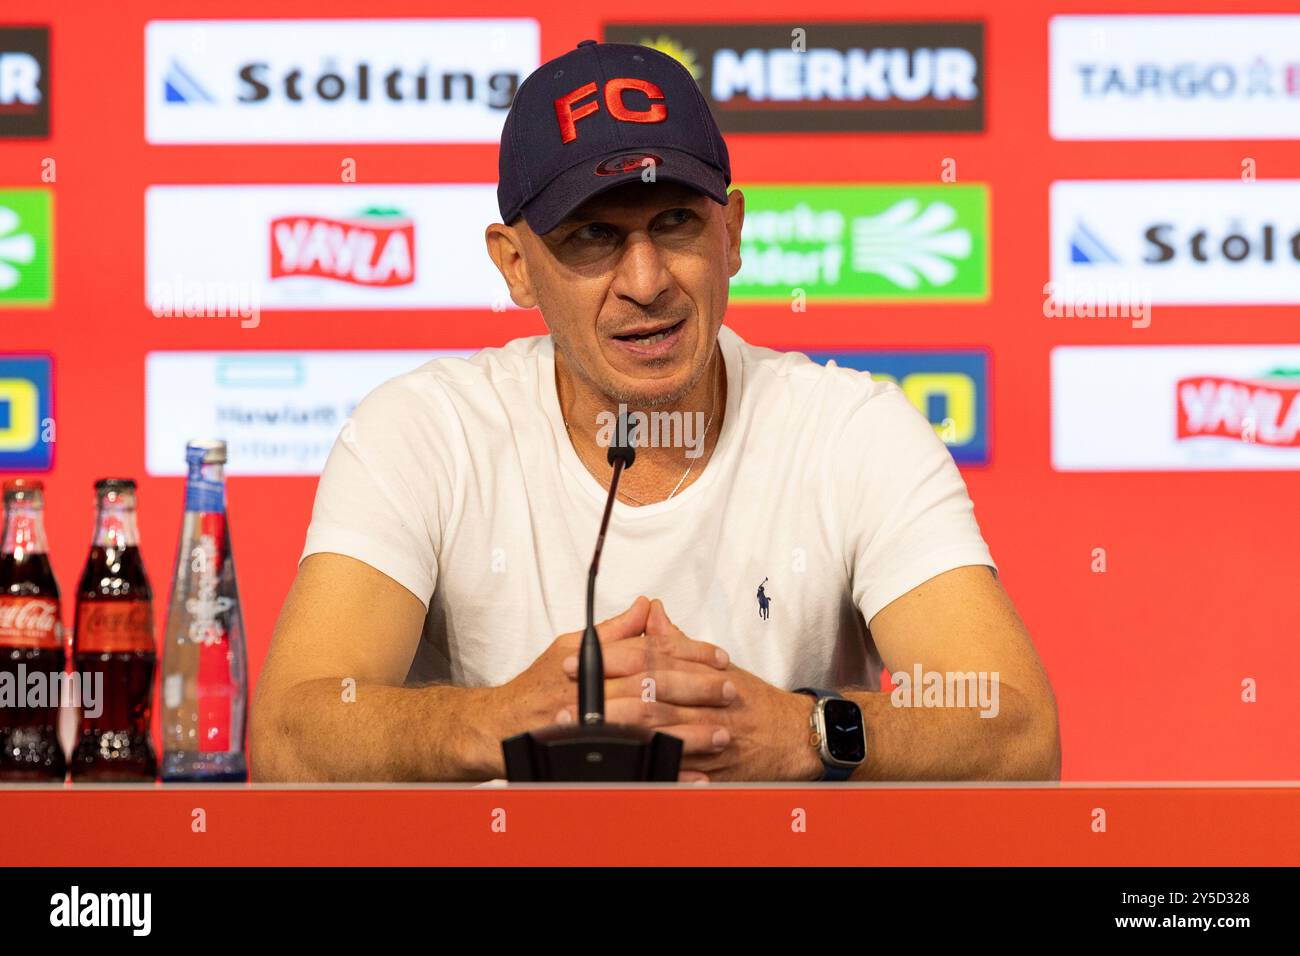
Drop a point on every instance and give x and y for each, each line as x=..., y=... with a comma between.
x=841, y=738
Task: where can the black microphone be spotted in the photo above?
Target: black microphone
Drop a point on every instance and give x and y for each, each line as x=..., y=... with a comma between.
x=591, y=664
x=591, y=749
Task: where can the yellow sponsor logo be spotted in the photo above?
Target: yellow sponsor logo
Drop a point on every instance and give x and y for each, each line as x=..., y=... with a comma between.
x=957, y=392
x=22, y=425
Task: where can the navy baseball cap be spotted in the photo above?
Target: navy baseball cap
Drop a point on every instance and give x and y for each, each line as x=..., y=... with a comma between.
x=596, y=118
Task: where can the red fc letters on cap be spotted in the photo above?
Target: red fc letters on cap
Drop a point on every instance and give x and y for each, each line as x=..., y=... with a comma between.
x=567, y=115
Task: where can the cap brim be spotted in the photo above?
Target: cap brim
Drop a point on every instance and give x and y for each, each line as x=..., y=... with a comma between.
x=581, y=182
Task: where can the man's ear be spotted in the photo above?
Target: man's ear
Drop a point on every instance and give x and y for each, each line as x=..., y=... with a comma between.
x=733, y=214
x=505, y=246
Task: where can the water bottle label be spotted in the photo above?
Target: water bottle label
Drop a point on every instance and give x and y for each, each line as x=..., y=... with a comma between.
x=203, y=492
x=207, y=607
x=173, y=690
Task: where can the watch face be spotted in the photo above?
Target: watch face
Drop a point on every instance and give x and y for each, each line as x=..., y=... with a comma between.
x=844, y=737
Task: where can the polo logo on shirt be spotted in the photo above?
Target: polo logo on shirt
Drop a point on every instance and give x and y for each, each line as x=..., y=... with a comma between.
x=764, y=601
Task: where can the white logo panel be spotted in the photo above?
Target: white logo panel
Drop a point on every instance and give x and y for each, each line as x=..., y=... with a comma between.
x=279, y=412
x=1187, y=242
x=334, y=81
x=1176, y=408
x=1175, y=77
x=323, y=247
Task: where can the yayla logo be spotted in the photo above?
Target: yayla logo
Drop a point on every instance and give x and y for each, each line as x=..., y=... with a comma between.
x=1264, y=410
x=330, y=81
x=376, y=248
x=75, y=908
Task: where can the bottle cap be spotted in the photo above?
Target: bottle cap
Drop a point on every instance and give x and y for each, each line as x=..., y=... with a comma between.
x=22, y=489
x=214, y=450
x=109, y=485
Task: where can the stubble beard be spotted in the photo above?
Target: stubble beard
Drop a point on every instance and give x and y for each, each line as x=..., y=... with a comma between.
x=633, y=398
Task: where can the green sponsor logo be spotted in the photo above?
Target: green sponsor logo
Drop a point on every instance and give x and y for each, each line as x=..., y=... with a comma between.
x=861, y=243
x=25, y=222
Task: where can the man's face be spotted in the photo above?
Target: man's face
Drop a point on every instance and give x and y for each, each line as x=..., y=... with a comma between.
x=633, y=287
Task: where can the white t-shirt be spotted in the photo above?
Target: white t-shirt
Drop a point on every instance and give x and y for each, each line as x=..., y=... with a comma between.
x=827, y=490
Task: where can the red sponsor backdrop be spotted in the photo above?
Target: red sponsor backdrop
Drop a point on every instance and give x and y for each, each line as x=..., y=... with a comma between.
x=1147, y=659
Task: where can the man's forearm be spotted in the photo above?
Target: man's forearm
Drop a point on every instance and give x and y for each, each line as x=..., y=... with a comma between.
x=312, y=732
x=955, y=743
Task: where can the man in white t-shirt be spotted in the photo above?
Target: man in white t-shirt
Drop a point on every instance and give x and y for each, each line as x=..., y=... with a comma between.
x=787, y=530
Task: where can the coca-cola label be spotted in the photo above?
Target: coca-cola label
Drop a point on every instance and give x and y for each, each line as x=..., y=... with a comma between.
x=111, y=626
x=29, y=622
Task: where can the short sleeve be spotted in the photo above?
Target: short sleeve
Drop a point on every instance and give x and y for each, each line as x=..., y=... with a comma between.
x=387, y=484
x=906, y=511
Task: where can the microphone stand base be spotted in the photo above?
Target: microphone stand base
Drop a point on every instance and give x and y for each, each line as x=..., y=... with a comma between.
x=592, y=753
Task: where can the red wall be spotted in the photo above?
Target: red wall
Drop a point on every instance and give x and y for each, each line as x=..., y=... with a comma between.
x=1147, y=659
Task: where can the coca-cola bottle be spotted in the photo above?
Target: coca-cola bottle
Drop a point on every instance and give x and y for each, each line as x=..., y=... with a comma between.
x=32, y=656
x=113, y=644
x=204, y=683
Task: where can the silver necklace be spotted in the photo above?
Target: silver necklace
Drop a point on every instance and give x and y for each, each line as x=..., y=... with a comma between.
x=712, y=408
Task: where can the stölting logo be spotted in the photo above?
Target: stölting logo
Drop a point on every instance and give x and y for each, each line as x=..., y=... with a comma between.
x=1190, y=242
x=332, y=81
